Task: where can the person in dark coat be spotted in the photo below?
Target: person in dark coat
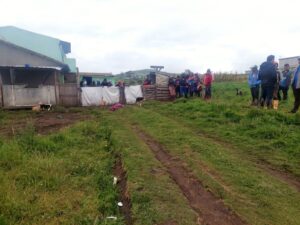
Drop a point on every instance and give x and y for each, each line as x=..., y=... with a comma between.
x=104, y=82
x=183, y=86
x=268, y=77
x=177, y=87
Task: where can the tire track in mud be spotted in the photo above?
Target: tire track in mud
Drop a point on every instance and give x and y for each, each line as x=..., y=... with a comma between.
x=124, y=197
x=283, y=176
x=265, y=166
x=210, y=209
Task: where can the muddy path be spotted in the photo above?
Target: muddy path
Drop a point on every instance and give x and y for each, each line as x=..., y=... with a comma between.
x=283, y=176
x=50, y=122
x=211, y=210
x=124, y=197
x=43, y=122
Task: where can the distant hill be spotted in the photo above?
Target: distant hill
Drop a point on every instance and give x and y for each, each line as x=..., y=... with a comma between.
x=134, y=74
x=133, y=77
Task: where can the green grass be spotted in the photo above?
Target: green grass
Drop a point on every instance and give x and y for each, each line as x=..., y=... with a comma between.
x=251, y=192
x=62, y=178
x=155, y=198
x=66, y=177
x=267, y=135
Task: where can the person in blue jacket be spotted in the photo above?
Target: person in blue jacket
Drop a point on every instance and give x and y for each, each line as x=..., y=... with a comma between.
x=254, y=83
x=285, y=82
x=296, y=88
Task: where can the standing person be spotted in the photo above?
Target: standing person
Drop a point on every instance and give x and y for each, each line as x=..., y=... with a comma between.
x=172, y=88
x=191, y=82
x=278, y=78
x=104, y=83
x=197, y=85
x=296, y=88
x=268, y=77
x=177, y=87
x=207, y=80
x=254, y=83
x=183, y=86
x=285, y=82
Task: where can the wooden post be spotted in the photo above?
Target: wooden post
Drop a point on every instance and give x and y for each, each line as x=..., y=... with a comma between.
x=55, y=88
x=122, y=99
x=78, y=88
x=11, y=73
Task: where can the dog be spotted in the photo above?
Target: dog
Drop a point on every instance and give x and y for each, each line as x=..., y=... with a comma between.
x=46, y=107
x=239, y=92
x=139, y=101
x=42, y=107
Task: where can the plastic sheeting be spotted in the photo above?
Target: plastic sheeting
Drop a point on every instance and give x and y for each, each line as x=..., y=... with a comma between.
x=95, y=96
x=132, y=93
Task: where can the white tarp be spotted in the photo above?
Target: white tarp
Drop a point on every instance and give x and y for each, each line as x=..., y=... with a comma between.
x=93, y=96
x=132, y=93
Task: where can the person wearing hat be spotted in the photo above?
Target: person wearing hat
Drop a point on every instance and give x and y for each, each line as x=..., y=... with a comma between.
x=268, y=77
x=254, y=83
x=296, y=88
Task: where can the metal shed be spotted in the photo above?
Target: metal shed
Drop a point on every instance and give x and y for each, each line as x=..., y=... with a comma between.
x=25, y=87
x=34, y=69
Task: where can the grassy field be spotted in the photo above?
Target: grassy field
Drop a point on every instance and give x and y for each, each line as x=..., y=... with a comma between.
x=246, y=159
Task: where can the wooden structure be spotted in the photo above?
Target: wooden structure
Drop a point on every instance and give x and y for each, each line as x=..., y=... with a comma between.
x=159, y=90
x=156, y=92
x=69, y=94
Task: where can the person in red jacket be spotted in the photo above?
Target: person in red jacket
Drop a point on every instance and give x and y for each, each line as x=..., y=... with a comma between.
x=207, y=81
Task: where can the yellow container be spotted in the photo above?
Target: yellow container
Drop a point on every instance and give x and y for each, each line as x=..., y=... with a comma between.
x=275, y=104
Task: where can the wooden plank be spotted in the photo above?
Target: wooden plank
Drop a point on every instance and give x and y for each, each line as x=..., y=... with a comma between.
x=11, y=74
x=68, y=94
x=55, y=88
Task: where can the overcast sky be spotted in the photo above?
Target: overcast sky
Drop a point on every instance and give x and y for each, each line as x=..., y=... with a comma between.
x=122, y=35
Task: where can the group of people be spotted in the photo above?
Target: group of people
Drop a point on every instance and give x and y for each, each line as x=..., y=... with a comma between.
x=267, y=83
x=98, y=83
x=190, y=84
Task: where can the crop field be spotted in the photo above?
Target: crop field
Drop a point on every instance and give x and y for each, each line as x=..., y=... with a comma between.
x=184, y=162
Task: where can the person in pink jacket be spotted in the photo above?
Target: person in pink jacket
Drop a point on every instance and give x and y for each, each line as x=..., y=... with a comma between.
x=207, y=81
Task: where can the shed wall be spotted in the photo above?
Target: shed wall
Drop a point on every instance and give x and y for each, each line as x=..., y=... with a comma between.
x=12, y=56
x=18, y=95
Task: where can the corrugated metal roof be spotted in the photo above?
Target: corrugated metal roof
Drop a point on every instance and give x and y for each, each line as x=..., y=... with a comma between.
x=33, y=67
x=45, y=45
